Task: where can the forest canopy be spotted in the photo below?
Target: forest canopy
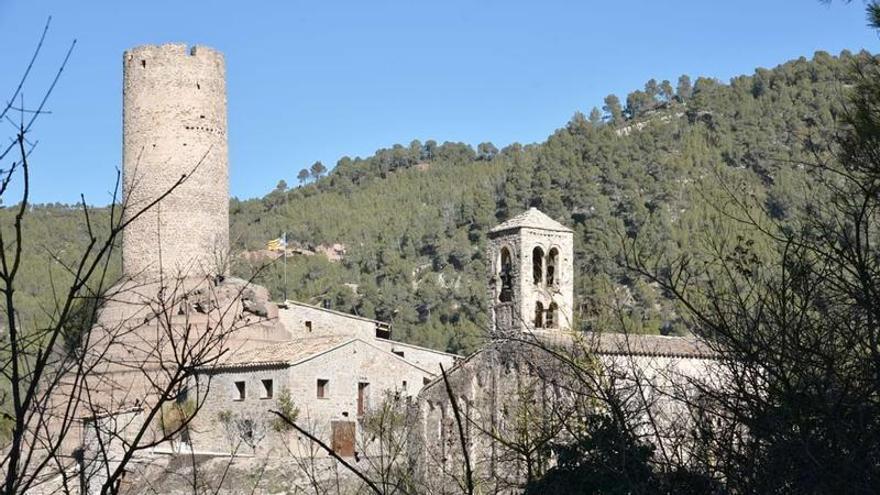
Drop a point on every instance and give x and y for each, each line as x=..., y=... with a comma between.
x=412, y=219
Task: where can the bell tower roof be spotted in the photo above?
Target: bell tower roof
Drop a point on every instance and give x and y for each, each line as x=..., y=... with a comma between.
x=531, y=218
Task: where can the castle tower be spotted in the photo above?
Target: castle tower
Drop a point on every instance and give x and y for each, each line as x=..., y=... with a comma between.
x=174, y=123
x=532, y=274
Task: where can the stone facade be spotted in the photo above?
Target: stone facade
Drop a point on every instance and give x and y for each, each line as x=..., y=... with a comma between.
x=531, y=280
x=305, y=320
x=425, y=358
x=513, y=393
x=516, y=394
x=174, y=124
x=331, y=381
x=333, y=366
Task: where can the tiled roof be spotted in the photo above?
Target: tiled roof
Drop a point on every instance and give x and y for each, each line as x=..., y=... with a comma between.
x=652, y=345
x=606, y=343
x=609, y=343
x=284, y=353
x=531, y=218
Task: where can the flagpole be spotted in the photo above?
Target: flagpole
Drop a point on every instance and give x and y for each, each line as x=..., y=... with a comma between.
x=284, y=235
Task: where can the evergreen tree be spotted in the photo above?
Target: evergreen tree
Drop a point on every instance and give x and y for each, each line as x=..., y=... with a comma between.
x=303, y=176
x=318, y=170
x=595, y=117
x=684, y=89
x=613, y=110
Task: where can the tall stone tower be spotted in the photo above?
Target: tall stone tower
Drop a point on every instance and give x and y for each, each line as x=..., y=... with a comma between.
x=174, y=123
x=531, y=280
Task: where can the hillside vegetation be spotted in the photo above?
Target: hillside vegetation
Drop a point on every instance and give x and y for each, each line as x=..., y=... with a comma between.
x=413, y=218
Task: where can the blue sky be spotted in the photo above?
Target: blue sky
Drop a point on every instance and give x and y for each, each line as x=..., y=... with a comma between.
x=320, y=80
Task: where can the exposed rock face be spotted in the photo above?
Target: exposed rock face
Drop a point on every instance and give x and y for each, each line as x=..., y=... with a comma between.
x=147, y=332
x=254, y=298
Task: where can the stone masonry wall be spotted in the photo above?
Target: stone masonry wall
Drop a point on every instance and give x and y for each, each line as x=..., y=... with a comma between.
x=323, y=322
x=427, y=359
x=561, y=292
x=519, y=313
x=344, y=368
x=174, y=123
x=211, y=429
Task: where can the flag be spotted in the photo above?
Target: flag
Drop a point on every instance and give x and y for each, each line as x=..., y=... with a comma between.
x=279, y=244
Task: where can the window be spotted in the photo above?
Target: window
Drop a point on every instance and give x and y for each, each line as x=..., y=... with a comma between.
x=323, y=388
x=363, y=397
x=551, y=316
x=506, y=276
x=539, y=315
x=267, y=388
x=240, y=391
x=537, y=265
x=552, y=258
x=309, y=326
x=403, y=385
x=399, y=353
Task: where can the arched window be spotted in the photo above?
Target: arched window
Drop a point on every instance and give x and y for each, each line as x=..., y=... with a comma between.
x=539, y=315
x=506, y=275
x=538, y=264
x=552, y=258
x=551, y=316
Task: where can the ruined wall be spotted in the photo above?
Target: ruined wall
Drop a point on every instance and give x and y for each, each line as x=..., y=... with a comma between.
x=513, y=394
x=174, y=124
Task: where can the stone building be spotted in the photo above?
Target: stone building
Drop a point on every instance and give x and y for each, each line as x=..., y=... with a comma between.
x=174, y=125
x=328, y=367
x=333, y=368
x=177, y=308
x=531, y=283
x=514, y=396
x=332, y=382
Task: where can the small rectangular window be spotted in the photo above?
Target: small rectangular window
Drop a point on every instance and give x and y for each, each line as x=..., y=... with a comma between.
x=403, y=385
x=399, y=353
x=323, y=388
x=308, y=326
x=363, y=397
x=240, y=391
x=267, y=388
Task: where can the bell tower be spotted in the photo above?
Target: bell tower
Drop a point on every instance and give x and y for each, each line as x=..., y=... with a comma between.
x=531, y=280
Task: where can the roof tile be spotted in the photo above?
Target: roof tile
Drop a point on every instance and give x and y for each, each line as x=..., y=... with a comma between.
x=532, y=218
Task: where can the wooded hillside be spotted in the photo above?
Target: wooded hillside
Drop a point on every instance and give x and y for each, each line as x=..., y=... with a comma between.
x=413, y=218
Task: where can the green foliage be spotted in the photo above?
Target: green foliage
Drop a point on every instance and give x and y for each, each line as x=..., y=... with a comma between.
x=224, y=416
x=174, y=415
x=285, y=406
x=612, y=460
x=413, y=218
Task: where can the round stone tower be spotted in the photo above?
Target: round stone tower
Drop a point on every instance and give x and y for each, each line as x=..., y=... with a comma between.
x=174, y=124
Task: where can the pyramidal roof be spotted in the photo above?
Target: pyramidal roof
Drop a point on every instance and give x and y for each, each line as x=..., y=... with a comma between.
x=532, y=218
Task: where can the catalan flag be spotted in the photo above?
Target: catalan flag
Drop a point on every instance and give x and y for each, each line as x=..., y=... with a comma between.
x=279, y=244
